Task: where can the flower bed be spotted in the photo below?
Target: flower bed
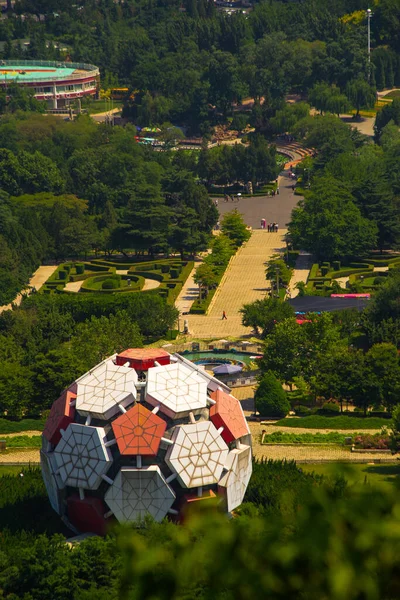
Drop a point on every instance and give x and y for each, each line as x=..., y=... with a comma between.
x=379, y=441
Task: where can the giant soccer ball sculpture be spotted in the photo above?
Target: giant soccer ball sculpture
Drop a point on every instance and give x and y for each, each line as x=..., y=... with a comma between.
x=143, y=433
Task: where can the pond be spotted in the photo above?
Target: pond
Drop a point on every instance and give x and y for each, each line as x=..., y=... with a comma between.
x=219, y=358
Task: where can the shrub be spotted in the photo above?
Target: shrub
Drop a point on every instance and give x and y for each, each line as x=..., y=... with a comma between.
x=324, y=270
x=329, y=408
x=174, y=273
x=336, y=265
x=110, y=284
x=303, y=411
x=165, y=268
x=62, y=274
x=270, y=398
x=80, y=269
x=379, y=280
x=340, y=422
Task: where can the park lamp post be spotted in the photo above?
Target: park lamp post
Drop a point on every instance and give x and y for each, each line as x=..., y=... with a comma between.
x=369, y=15
x=277, y=280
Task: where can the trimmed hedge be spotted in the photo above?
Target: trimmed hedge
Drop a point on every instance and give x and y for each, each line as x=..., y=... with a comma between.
x=7, y=426
x=201, y=307
x=341, y=422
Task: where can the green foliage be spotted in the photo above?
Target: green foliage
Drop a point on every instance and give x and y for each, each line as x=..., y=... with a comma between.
x=264, y=314
x=341, y=422
x=329, y=409
x=233, y=226
x=7, y=426
x=110, y=284
x=24, y=441
x=278, y=437
x=270, y=398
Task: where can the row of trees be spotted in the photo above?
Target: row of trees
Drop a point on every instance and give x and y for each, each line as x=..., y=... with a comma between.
x=186, y=62
x=51, y=340
x=352, y=206
x=134, y=198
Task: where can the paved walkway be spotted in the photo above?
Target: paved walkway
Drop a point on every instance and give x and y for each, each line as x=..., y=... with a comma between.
x=189, y=292
x=39, y=277
x=150, y=284
x=244, y=281
x=300, y=273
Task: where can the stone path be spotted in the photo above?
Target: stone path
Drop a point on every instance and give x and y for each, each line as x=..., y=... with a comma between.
x=188, y=293
x=150, y=284
x=244, y=281
x=73, y=286
x=39, y=277
x=300, y=273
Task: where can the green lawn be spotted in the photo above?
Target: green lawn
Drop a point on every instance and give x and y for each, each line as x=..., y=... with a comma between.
x=357, y=474
x=10, y=470
x=394, y=94
x=100, y=106
x=7, y=426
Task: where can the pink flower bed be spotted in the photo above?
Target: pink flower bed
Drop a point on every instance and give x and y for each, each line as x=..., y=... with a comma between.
x=372, y=442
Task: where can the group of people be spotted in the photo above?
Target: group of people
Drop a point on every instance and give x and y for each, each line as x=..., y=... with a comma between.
x=271, y=227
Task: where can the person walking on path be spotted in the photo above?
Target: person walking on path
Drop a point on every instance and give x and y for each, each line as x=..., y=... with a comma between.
x=273, y=227
x=224, y=317
x=269, y=227
x=276, y=227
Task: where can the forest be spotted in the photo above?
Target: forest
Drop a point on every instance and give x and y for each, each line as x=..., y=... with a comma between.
x=187, y=62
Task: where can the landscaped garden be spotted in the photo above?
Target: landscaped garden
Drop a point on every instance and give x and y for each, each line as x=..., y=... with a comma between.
x=364, y=276
x=104, y=277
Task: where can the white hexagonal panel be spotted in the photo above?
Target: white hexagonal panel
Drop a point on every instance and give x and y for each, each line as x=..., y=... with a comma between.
x=198, y=454
x=82, y=457
x=101, y=390
x=235, y=481
x=52, y=481
x=178, y=389
x=137, y=493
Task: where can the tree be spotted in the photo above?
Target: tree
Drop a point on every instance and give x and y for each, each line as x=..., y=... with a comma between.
x=270, y=398
x=360, y=94
x=277, y=268
x=329, y=224
x=265, y=314
x=206, y=278
x=15, y=388
x=286, y=352
x=234, y=227
x=101, y=337
x=383, y=375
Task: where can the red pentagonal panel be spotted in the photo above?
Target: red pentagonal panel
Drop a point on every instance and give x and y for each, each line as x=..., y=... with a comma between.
x=143, y=359
x=61, y=415
x=87, y=515
x=139, y=431
x=227, y=413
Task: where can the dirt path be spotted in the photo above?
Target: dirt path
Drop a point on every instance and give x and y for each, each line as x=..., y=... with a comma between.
x=25, y=455
x=39, y=277
x=4, y=436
